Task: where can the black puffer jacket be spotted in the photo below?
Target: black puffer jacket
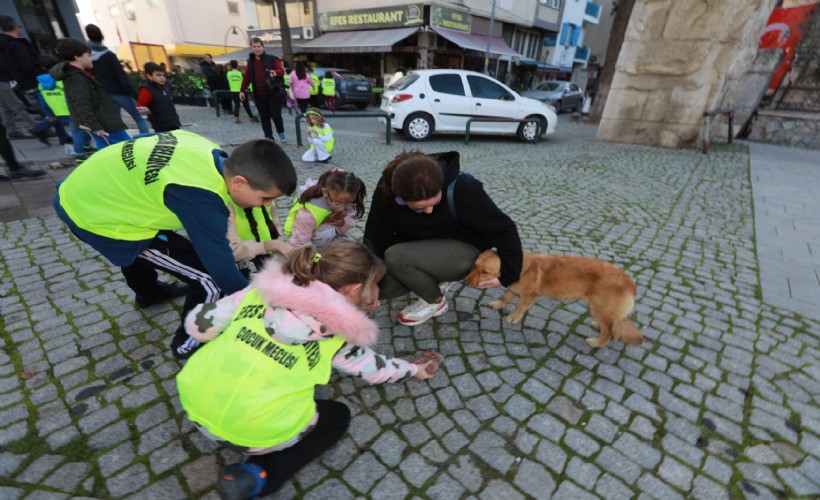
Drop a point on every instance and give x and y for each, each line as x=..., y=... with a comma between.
x=479, y=221
x=18, y=61
x=89, y=104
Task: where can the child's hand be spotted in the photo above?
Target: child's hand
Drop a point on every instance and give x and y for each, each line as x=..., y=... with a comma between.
x=428, y=363
x=309, y=132
x=101, y=133
x=283, y=247
x=144, y=111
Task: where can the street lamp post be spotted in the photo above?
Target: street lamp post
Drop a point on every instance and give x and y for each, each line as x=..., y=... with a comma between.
x=489, y=37
x=233, y=31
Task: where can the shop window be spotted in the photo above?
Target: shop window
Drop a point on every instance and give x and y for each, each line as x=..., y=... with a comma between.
x=447, y=84
x=484, y=88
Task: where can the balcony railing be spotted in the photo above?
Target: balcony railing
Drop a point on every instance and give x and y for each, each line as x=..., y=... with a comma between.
x=592, y=13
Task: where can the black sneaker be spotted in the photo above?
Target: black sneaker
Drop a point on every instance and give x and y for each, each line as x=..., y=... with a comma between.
x=66, y=140
x=164, y=292
x=25, y=173
x=325, y=160
x=183, y=346
x=42, y=137
x=240, y=481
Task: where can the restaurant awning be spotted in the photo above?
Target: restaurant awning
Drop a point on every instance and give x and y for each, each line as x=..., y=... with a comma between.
x=478, y=43
x=541, y=66
x=356, y=41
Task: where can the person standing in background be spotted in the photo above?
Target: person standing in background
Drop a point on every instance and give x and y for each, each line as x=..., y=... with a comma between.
x=265, y=72
x=109, y=73
x=17, y=63
x=234, y=77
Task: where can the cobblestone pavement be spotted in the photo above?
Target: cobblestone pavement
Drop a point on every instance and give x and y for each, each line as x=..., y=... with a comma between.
x=721, y=400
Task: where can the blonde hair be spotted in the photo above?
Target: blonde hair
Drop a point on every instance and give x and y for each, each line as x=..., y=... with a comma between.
x=338, y=264
x=315, y=112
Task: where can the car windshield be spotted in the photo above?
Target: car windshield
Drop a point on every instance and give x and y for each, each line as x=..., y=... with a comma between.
x=404, y=82
x=348, y=75
x=549, y=86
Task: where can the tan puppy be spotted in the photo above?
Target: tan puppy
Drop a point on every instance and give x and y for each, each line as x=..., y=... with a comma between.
x=607, y=290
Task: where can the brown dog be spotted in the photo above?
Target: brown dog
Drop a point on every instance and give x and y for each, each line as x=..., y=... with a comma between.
x=607, y=290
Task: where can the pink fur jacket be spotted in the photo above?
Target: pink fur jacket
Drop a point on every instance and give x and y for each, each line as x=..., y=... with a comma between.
x=300, y=314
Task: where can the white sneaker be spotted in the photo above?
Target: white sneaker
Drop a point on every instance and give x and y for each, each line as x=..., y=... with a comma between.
x=444, y=286
x=420, y=311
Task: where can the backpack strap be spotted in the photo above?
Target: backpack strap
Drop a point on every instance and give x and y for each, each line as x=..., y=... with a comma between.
x=451, y=198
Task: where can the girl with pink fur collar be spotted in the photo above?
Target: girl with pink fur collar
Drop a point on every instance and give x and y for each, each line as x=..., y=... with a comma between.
x=266, y=348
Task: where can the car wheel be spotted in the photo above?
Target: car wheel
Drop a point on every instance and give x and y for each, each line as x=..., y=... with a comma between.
x=361, y=105
x=418, y=126
x=527, y=130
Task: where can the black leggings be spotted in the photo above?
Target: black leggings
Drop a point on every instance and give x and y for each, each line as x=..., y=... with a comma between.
x=334, y=418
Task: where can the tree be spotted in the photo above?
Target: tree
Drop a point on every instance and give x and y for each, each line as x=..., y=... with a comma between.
x=623, y=10
x=284, y=28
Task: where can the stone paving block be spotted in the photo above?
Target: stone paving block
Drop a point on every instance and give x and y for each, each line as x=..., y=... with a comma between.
x=551, y=455
x=500, y=490
x=582, y=472
x=445, y=488
x=165, y=489
x=640, y=451
x=798, y=483
x=490, y=447
x=167, y=457
x=707, y=489
x=68, y=476
x=657, y=488
x=39, y=469
x=416, y=469
x=610, y=487
x=467, y=473
x=619, y=465
x=391, y=487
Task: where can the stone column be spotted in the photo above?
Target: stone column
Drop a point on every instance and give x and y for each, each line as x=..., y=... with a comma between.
x=674, y=64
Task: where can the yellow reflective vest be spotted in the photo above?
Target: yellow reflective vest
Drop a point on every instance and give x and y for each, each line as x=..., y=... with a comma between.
x=319, y=214
x=250, y=390
x=315, y=89
x=55, y=99
x=328, y=86
x=234, y=77
x=131, y=178
x=243, y=226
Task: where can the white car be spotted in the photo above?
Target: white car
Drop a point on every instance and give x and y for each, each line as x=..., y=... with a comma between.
x=443, y=100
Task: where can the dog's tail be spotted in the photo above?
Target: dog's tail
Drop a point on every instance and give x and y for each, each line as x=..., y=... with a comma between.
x=627, y=332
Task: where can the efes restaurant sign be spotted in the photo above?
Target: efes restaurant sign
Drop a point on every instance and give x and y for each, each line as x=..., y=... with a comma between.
x=450, y=19
x=388, y=17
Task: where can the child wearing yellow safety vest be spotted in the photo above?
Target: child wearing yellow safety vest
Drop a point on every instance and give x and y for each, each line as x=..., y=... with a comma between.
x=55, y=109
x=319, y=136
x=329, y=91
x=254, y=234
x=234, y=77
x=326, y=210
x=266, y=348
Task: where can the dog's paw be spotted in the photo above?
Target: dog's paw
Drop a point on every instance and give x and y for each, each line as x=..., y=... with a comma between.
x=596, y=342
x=513, y=318
x=496, y=304
x=595, y=325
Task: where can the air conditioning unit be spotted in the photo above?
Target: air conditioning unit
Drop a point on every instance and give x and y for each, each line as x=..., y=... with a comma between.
x=307, y=32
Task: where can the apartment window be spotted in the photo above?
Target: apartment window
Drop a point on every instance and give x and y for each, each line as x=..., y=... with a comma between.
x=553, y=3
x=306, y=6
x=233, y=8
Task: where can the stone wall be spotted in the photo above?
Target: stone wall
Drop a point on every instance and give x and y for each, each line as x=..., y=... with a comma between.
x=677, y=60
x=792, y=128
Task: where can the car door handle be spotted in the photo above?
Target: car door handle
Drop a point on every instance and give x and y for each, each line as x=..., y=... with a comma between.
x=436, y=100
x=478, y=104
